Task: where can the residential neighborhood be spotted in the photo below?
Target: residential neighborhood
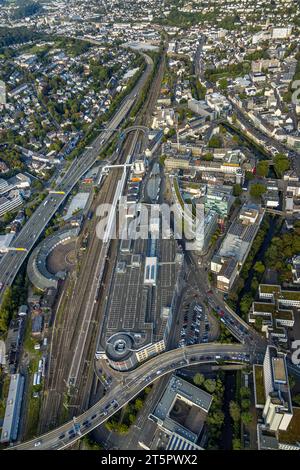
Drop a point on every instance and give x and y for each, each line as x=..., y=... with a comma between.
x=150, y=228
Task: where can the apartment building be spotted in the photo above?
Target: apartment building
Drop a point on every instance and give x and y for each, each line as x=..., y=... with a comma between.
x=229, y=260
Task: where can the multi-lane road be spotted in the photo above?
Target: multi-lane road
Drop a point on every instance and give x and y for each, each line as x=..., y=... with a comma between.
x=133, y=383
x=34, y=227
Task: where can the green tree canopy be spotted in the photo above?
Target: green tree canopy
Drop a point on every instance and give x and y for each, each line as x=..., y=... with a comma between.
x=257, y=190
x=246, y=417
x=234, y=411
x=262, y=168
x=210, y=385
x=259, y=267
x=198, y=379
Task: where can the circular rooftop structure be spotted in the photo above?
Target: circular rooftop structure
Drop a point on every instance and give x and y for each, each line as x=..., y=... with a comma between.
x=38, y=270
x=119, y=347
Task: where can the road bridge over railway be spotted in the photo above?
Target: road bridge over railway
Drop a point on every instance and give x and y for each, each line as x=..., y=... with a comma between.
x=132, y=384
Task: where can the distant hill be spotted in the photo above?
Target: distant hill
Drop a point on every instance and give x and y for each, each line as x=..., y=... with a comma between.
x=29, y=9
x=11, y=36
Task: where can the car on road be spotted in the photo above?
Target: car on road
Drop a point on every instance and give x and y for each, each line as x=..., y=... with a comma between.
x=61, y=436
x=38, y=443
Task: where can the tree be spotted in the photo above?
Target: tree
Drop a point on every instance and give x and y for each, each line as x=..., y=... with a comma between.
x=223, y=84
x=234, y=411
x=208, y=157
x=257, y=190
x=37, y=185
x=215, y=142
x=245, y=392
x=281, y=164
x=236, y=444
x=246, y=417
x=296, y=399
x=237, y=190
x=254, y=284
x=249, y=175
x=246, y=302
x=28, y=212
x=292, y=381
x=210, y=385
x=198, y=379
x=138, y=405
x=262, y=168
x=236, y=140
x=245, y=403
x=7, y=309
x=259, y=267
x=215, y=418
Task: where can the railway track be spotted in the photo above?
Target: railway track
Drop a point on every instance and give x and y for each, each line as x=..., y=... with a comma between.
x=65, y=335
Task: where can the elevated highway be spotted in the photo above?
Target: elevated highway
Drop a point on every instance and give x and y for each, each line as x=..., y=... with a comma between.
x=131, y=385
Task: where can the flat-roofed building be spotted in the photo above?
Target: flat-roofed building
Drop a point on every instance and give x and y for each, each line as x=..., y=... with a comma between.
x=173, y=163
x=181, y=413
x=273, y=319
x=13, y=407
x=218, y=200
x=150, y=274
x=11, y=203
x=287, y=298
x=229, y=259
x=275, y=310
x=142, y=299
x=278, y=410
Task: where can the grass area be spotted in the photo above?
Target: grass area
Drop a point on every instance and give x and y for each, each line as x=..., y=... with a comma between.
x=33, y=412
x=29, y=341
x=4, y=388
x=177, y=191
x=65, y=410
x=225, y=336
x=292, y=435
x=33, y=404
x=162, y=160
x=259, y=384
x=193, y=185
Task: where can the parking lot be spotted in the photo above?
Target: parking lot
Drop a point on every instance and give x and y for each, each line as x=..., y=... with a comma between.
x=195, y=325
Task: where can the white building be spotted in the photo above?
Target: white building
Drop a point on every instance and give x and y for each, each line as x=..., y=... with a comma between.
x=278, y=410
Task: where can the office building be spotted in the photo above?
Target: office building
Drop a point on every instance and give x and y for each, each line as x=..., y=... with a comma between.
x=181, y=414
x=13, y=408
x=278, y=411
